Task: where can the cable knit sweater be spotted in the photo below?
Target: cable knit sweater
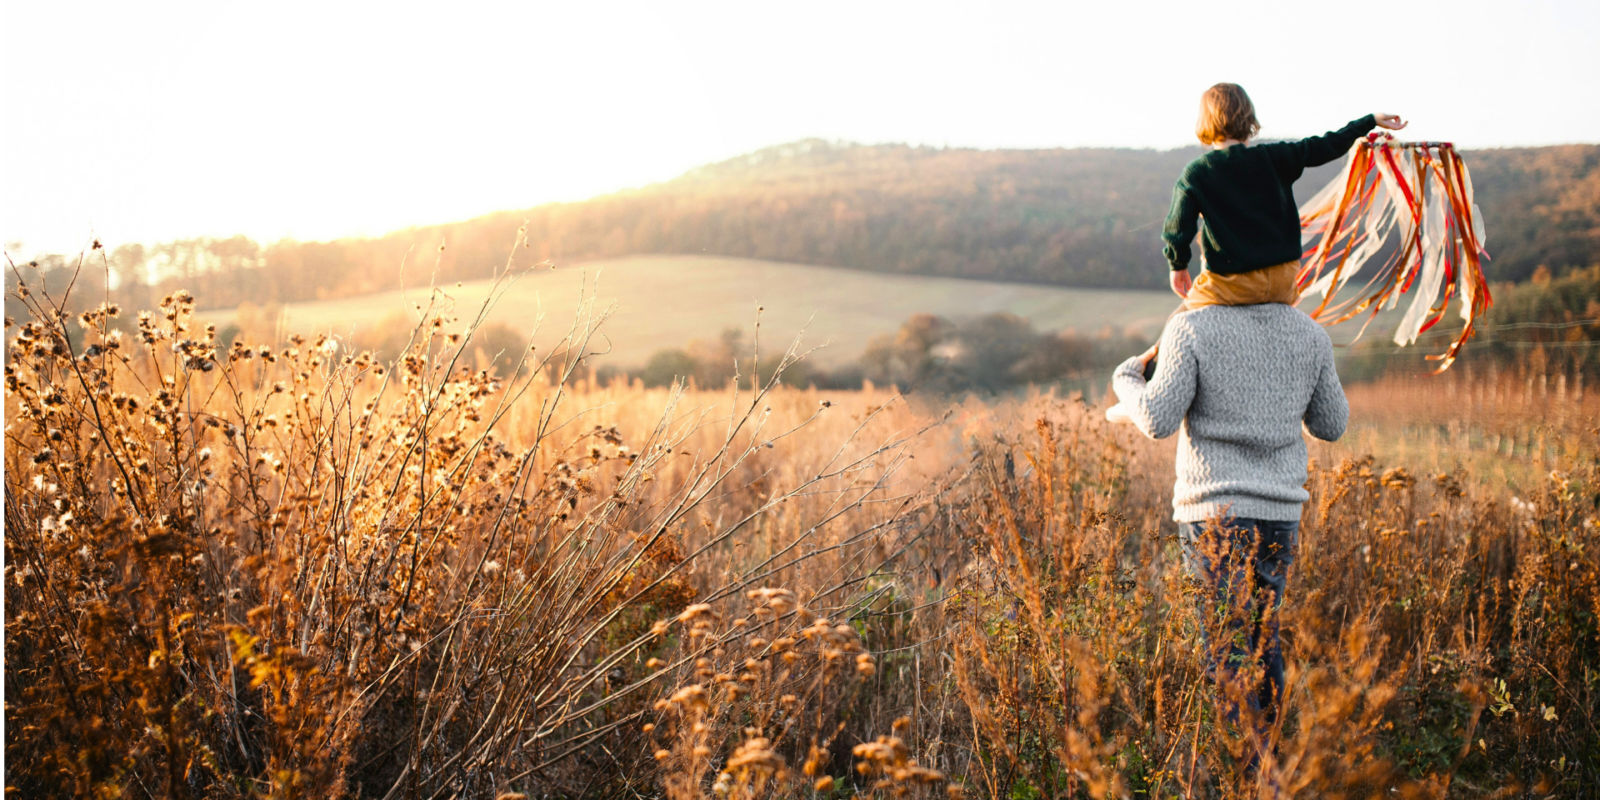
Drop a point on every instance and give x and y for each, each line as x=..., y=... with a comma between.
x=1237, y=383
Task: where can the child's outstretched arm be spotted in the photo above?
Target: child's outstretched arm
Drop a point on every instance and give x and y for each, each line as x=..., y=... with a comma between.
x=1314, y=151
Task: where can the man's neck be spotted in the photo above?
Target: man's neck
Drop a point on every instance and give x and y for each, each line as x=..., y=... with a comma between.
x=1226, y=143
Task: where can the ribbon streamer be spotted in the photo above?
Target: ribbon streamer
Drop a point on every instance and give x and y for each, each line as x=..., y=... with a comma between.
x=1420, y=195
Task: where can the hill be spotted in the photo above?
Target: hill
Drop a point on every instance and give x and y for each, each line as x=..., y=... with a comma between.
x=1085, y=217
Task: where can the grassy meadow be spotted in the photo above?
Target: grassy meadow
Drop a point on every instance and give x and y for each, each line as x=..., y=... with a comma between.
x=287, y=569
x=665, y=301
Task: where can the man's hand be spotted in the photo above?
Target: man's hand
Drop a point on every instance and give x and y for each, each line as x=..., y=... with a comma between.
x=1392, y=122
x=1181, y=282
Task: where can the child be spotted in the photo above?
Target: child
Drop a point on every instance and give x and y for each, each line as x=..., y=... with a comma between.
x=1251, y=243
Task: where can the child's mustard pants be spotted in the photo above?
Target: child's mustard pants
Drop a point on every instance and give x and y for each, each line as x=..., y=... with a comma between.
x=1265, y=285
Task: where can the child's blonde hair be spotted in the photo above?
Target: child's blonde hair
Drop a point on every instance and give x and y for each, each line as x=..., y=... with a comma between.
x=1226, y=113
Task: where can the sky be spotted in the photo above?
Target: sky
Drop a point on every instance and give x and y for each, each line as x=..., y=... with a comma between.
x=146, y=122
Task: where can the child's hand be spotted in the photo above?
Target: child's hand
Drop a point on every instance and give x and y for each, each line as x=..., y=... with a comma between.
x=1391, y=121
x=1181, y=282
x=1147, y=356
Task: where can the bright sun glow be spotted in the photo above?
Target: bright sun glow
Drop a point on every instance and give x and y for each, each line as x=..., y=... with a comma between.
x=136, y=122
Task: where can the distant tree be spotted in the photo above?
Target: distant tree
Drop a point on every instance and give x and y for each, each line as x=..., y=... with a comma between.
x=666, y=366
x=911, y=356
x=499, y=346
x=1061, y=354
x=991, y=353
x=718, y=360
x=992, y=347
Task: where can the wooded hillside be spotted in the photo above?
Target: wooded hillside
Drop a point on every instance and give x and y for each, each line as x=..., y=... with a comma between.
x=1086, y=217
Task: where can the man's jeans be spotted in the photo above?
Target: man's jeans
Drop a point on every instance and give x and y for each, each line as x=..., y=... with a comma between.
x=1242, y=566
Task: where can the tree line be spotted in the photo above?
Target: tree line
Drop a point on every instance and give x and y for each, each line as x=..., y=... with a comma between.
x=928, y=353
x=1546, y=325
x=1081, y=217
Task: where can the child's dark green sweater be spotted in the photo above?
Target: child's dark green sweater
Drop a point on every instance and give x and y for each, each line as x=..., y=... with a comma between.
x=1246, y=196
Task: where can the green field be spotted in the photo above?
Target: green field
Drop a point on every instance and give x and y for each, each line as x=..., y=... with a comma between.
x=665, y=301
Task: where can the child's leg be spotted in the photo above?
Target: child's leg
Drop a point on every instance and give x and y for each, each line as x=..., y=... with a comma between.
x=1274, y=284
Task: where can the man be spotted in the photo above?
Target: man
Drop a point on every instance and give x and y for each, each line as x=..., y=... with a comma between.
x=1238, y=383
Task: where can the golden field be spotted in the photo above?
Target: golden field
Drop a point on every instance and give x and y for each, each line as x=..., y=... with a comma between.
x=284, y=569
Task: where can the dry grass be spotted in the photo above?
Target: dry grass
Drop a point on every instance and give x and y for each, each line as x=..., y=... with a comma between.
x=283, y=568
x=1441, y=638
x=1504, y=428
x=289, y=570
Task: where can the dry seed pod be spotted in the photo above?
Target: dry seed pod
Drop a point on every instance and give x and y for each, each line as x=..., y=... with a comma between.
x=756, y=754
x=693, y=696
x=695, y=611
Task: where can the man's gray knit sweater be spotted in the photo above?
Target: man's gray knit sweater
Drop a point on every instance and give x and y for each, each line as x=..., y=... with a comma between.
x=1237, y=382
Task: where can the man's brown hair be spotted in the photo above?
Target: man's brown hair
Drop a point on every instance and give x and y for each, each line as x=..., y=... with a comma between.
x=1226, y=113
